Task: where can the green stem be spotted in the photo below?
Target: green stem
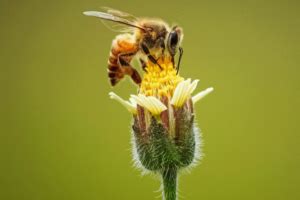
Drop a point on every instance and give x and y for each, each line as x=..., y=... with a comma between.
x=169, y=179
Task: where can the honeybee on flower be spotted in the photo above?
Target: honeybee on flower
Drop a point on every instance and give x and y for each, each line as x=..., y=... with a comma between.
x=144, y=38
x=165, y=135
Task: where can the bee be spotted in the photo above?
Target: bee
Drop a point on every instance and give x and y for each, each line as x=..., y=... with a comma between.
x=144, y=38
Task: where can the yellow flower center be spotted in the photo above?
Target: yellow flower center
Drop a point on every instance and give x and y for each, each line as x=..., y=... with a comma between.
x=160, y=82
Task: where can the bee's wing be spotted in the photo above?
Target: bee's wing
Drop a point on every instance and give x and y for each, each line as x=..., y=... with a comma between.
x=119, y=13
x=120, y=24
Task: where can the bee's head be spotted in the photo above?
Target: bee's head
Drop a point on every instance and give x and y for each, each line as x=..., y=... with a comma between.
x=174, y=39
x=155, y=34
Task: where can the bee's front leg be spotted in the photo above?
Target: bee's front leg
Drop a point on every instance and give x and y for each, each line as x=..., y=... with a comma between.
x=150, y=57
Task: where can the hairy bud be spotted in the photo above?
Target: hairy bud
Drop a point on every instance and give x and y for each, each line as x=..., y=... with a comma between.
x=165, y=136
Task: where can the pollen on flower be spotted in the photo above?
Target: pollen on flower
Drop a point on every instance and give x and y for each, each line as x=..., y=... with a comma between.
x=160, y=82
x=162, y=89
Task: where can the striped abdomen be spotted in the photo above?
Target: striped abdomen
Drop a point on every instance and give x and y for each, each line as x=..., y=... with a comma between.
x=122, y=51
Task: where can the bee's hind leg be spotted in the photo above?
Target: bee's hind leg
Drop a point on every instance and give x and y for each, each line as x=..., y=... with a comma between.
x=123, y=60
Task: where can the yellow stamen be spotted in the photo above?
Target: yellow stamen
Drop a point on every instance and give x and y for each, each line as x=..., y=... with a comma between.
x=160, y=82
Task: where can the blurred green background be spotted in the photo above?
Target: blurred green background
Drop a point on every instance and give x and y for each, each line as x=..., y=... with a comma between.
x=63, y=138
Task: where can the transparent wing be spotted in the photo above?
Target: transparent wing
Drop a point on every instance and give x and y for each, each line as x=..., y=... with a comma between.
x=116, y=20
x=120, y=14
x=116, y=27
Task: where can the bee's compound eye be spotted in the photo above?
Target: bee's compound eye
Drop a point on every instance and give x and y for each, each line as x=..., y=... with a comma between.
x=173, y=42
x=173, y=39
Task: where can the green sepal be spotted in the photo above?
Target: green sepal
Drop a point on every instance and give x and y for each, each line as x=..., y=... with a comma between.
x=157, y=150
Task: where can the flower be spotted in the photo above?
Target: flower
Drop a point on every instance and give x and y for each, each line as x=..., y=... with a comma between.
x=164, y=132
x=163, y=94
x=162, y=89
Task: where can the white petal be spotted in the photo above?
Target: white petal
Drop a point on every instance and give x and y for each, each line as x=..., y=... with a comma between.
x=177, y=93
x=183, y=91
x=140, y=101
x=158, y=104
x=193, y=86
x=132, y=101
x=149, y=104
x=154, y=105
x=202, y=94
x=131, y=106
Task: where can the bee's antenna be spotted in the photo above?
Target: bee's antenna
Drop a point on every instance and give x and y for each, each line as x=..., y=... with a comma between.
x=179, y=59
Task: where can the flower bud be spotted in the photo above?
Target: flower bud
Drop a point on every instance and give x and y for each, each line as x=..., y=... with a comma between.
x=165, y=135
x=168, y=140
